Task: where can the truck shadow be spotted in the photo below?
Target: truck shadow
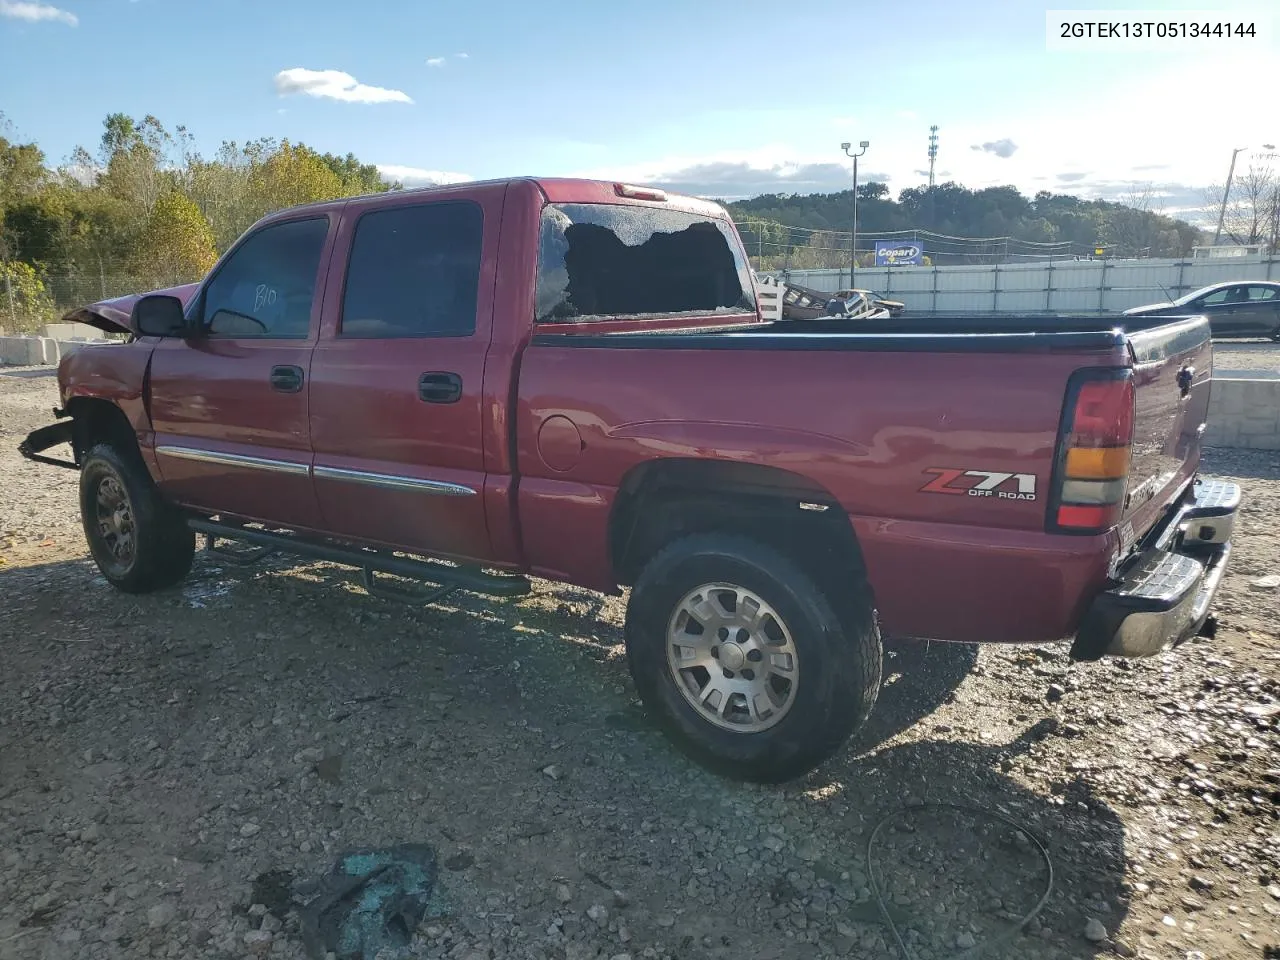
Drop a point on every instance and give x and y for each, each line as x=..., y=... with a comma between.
x=919, y=677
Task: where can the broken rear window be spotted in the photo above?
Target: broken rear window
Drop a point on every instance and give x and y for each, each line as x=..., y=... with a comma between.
x=599, y=261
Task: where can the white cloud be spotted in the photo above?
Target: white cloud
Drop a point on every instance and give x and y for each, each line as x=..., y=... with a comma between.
x=464, y=56
x=1003, y=148
x=435, y=61
x=84, y=174
x=781, y=169
x=334, y=85
x=35, y=12
x=418, y=177
x=1119, y=150
x=734, y=175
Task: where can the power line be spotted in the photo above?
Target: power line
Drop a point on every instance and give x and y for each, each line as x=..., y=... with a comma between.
x=893, y=234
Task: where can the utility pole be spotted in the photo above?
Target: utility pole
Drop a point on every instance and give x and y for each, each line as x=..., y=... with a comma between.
x=933, y=151
x=1222, y=211
x=853, y=245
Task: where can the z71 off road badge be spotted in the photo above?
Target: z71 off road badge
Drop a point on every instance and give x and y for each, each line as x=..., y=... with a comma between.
x=981, y=483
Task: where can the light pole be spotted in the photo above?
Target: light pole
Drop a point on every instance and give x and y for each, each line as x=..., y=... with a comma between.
x=853, y=245
x=1222, y=211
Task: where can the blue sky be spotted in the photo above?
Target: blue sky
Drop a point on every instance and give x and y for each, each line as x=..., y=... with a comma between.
x=708, y=95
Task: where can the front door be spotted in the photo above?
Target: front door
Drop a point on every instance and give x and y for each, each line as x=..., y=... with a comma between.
x=396, y=379
x=230, y=403
x=1219, y=307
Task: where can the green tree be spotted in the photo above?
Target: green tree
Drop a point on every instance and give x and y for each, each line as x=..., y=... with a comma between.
x=294, y=175
x=356, y=177
x=136, y=162
x=25, y=304
x=22, y=174
x=37, y=227
x=1006, y=221
x=176, y=245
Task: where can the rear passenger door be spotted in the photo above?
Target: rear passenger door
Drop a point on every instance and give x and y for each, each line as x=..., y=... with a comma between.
x=1259, y=314
x=396, y=379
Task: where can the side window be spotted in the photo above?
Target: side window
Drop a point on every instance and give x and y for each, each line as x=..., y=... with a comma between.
x=1218, y=296
x=414, y=272
x=1262, y=293
x=266, y=288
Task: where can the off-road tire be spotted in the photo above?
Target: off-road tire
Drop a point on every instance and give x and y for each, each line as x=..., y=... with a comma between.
x=163, y=544
x=840, y=658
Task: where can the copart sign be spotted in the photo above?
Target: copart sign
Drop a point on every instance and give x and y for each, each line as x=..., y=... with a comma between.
x=892, y=253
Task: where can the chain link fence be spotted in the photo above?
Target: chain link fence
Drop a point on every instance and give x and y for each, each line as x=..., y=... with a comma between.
x=31, y=298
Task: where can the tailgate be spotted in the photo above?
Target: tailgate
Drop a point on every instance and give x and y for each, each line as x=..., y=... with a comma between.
x=1172, y=373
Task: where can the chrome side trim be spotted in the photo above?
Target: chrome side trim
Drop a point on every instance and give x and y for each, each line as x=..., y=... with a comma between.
x=392, y=482
x=235, y=460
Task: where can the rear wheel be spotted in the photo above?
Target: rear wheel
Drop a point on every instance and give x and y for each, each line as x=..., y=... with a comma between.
x=139, y=541
x=744, y=659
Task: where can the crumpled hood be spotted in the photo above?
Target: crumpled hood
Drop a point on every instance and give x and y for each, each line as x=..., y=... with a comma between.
x=113, y=315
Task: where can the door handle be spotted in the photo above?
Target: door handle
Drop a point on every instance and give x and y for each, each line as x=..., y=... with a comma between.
x=286, y=379
x=439, y=387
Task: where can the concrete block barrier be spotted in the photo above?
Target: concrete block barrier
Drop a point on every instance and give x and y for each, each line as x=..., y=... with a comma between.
x=26, y=351
x=1244, y=413
x=34, y=351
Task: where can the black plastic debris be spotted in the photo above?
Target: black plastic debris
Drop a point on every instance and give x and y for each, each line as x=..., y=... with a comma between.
x=371, y=900
x=274, y=890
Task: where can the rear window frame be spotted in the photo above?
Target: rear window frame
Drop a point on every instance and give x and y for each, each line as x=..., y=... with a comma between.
x=747, y=306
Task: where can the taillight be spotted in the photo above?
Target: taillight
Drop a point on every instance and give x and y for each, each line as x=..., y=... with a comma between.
x=1093, y=452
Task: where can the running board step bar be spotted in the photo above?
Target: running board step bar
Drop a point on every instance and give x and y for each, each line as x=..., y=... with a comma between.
x=370, y=561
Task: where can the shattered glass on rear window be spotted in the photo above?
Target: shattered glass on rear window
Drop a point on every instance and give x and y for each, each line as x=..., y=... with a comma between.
x=603, y=261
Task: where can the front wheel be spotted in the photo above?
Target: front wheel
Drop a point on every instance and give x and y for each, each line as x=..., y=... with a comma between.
x=138, y=540
x=744, y=659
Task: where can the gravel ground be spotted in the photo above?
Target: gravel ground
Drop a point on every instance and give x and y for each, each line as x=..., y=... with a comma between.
x=1246, y=355
x=177, y=770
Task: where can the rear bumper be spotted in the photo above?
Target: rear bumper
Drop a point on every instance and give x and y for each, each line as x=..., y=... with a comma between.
x=1163, y=595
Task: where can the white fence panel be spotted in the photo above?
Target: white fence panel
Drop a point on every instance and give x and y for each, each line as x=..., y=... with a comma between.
x=1067, y=286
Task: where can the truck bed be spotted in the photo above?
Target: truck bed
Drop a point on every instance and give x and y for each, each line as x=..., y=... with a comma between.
x=961, y=393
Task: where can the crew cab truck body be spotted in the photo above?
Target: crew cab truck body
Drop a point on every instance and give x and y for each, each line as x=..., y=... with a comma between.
x=472, y=384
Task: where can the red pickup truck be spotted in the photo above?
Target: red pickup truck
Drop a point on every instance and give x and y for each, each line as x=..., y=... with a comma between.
x=472, y=384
